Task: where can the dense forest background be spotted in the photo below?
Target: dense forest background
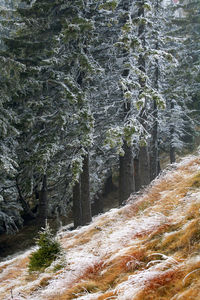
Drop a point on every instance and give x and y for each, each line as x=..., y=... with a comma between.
x=93, y=93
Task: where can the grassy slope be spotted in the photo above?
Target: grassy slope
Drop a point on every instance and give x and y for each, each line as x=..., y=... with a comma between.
x=148, y=249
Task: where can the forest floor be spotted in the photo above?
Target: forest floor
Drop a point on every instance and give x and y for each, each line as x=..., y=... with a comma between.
x=25, y=237
x=148, y=249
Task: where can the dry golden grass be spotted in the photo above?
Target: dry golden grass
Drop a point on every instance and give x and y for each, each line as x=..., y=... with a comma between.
x=162, y=286
x=171, y=246
x=108, y=296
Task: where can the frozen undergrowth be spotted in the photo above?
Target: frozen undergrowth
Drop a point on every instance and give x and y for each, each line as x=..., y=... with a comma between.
x=147, y=246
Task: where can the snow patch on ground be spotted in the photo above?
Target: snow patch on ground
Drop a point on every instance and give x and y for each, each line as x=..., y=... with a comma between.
x=107, y=238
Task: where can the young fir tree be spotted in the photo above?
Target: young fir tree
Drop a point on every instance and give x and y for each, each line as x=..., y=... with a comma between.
x=49, y=251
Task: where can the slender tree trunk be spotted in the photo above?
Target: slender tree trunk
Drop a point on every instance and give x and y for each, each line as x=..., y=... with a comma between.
x=154, y=151
x=43, y=202
x=25, y=205
x=172, y=154
x=126, y=167
x=109, y=186
x=159, y=167
x=137, y=174
x=126, y=174
x=172, y=131
x=77, y=209
x=154, y=144
x=144, y=170
x=143, y=156
x=85, y=192
x=98, y=204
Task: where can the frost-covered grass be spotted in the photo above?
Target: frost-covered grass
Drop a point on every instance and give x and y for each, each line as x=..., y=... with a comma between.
x=148, y=249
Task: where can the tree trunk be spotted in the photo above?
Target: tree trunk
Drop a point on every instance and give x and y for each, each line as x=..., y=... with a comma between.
x=154, y=151
x=126, y=174
x=108, y=186
x=77, y=209
x=154, y=144
x=126, y=168
x=25, y=205
x=98, y=204
x=159, y=167
x=85, y=192
x=137, y=174
x=43, y=202
x=143, y=156
x=144, y=171
x=172, y=154
x=172, y=131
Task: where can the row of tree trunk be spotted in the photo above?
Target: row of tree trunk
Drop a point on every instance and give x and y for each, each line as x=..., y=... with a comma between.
x=81, y=197
x=138, y=172
x=42, y=197
x=134, y=173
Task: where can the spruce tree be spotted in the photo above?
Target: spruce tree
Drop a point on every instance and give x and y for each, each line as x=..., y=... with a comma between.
x=52, y=106
x=181, y=83
x=10, y=207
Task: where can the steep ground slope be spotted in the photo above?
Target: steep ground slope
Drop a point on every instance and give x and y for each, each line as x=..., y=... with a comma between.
x=148, y=249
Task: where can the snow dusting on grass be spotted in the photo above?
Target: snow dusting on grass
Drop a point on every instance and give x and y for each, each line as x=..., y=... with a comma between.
x=148, y=249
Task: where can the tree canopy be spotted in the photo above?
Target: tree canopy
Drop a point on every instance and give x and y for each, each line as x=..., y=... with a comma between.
x=91, y=88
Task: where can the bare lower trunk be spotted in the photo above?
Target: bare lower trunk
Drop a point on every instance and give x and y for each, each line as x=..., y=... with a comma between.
x=144, y=169
x=172, y=154
x=137, y=174
x=85, y=192
x=159, y=167
x=172, y=132
x=98, y=204
x=43, y=202
x=154, y=164
x=109, y=186
x=77, y=209
x=126, y=174
x=25, y=205
x=154, y=144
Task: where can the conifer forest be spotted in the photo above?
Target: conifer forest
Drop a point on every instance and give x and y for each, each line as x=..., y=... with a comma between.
x=95, y=96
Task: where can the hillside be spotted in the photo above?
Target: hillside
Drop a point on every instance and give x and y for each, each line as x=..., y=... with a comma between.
x=148, y=249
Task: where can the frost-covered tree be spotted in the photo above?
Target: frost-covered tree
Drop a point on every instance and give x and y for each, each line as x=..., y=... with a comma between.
x=125, y=58
x=55, y=121
x=10, y=208
x=181, y=84
x=81, y=90
x=140, y=86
